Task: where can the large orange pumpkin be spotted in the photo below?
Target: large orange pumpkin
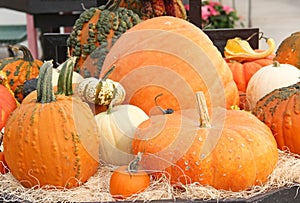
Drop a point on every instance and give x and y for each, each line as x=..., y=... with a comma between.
x=20, y=69
x=233, y=151
x=52, y=140
x=170, y=56
x=280, y=110
x=289, y=50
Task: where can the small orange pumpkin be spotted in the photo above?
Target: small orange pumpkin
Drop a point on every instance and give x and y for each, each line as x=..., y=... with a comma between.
x=128, y=180
x=20, y=70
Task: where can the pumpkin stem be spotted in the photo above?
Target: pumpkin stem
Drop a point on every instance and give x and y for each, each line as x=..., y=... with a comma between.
x=64, y=84
x=203, y=112
x=276, y=64
x=108, y=72
x=164, y=111
x=27, y=56
x=44, y=85
x=133, y=165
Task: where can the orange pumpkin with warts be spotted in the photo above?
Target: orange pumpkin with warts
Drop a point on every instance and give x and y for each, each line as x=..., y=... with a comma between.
x=234, y=145
x=20, y=69
x=57, y=137
x=280, y=111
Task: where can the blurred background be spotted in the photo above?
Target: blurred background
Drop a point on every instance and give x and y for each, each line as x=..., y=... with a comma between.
x=275, y=18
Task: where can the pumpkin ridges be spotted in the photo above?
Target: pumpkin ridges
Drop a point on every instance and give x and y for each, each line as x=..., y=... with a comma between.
x=171, y=25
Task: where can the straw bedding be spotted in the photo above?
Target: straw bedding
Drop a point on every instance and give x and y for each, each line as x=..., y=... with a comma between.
x=286, y=174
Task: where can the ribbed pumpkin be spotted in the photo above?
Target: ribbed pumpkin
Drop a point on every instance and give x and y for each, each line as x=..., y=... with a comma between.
x=289, y=50
x=280, y=110
x=20, y=70
x=170, y=56
x=243, y=62
x=95, y=31
x=7, y=105
x=149, y=9
x=54, y=139
x=233, y=151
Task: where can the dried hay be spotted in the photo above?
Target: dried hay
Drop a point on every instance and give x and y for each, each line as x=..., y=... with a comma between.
x=286, y=174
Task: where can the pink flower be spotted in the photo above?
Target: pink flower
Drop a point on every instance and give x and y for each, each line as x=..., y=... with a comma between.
x=187, y=7
x=205, y=14
x=227, y=9
x=213, y=11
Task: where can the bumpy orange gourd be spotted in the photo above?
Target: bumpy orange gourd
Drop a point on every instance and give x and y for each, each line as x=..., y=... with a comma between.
x=171, y=56
x=280, y=110
x=289, y=50
x=52, y=140
x=126, y=181
x=20, y=69
x=233, y=151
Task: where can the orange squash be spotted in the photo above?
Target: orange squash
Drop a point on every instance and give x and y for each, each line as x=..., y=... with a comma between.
x=3, y=165
x=289, y=50
x=52, y=140
x=19, y=70
x=171, y=56
x=232, y=151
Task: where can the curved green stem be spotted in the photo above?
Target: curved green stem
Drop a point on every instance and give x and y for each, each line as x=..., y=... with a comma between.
x=64, y=84
x=44, y=85
x=27, y=56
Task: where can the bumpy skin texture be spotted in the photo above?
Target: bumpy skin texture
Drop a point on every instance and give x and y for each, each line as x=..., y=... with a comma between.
x=94, y=32
x=245, y=153
x=52, y=140
x=147, y=68
x=289, y=50
x=280, y=111
x=19, y=70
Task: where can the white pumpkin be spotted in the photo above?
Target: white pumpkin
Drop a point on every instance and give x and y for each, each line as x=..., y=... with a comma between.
x=269, y=78
x=117, y=127
x=77, y=78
